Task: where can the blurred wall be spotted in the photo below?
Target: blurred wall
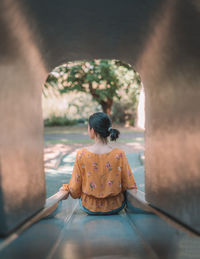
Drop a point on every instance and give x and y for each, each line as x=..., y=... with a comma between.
x=170, y=67
x=22, y=73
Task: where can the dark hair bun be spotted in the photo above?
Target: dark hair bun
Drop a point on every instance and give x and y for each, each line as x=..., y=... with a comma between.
x=102, y=125
x=114, y=134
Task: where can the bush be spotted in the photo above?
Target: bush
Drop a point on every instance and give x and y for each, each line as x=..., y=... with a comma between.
x=125, y=109
x=59, y=121
x=72, y=106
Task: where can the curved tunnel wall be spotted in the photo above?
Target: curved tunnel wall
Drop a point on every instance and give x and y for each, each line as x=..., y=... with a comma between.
x=159, y=38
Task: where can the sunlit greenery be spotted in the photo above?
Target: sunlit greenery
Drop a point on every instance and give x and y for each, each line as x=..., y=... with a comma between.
x=102, y=79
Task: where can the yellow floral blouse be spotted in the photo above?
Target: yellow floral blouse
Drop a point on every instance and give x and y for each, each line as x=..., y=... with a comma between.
x=100, y=179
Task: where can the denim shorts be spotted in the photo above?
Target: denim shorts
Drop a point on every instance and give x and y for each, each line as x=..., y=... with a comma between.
x=102, y=213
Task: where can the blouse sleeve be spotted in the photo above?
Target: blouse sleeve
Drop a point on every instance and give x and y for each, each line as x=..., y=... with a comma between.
x=128, y=181
x=75, y=183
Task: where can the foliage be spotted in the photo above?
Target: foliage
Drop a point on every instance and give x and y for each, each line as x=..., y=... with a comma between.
x=60, y=121
x=103, y=79
x=73, y=105
x=125, y=109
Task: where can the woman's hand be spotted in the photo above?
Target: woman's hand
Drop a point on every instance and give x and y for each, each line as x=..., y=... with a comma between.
x=61, y=189
x=66, y=196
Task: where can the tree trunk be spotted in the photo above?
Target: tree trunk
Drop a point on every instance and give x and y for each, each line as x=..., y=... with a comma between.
x=106, y=106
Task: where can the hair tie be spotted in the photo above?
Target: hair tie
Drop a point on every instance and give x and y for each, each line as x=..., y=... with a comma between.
x=109, y=129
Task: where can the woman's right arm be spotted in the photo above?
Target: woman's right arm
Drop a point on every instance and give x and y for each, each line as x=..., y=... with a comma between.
x=75, y=183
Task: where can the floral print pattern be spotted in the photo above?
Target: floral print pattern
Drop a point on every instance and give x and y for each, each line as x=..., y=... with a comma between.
x=118, y=156
x=95, y=177
x=92, y=185
x=110, y=183
x=108, y=166
x=81, y=154
x=95, y=166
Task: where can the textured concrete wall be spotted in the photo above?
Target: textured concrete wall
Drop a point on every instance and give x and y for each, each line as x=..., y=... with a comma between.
x=170, y=69
x=22, y=183
x=159, y=38
x=77, y=30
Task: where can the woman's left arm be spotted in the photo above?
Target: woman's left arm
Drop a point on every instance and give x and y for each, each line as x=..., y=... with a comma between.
x=128, y=181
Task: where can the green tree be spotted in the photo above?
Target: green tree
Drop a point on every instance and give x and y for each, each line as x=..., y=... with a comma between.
x=100, y=78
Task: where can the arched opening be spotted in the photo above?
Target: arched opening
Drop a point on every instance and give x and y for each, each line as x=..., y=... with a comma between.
x=75, y=90
x=155, y=36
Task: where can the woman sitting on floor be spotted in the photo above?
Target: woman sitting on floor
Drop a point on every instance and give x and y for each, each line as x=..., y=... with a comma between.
x=101, y=174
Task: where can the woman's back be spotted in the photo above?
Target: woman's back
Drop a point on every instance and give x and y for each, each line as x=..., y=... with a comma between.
x=101, y=179
x=101, y=173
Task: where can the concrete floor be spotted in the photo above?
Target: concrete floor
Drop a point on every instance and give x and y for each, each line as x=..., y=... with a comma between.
x=70, y=233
